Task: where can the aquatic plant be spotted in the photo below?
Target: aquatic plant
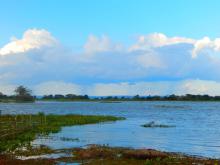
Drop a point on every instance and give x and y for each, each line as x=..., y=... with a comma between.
x=152, y=124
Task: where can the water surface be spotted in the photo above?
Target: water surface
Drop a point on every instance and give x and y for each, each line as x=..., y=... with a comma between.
x=196, y=130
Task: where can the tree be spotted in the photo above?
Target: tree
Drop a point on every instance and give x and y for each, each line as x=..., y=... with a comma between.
x=136, y=97
x=59, y=96
x=23, y=94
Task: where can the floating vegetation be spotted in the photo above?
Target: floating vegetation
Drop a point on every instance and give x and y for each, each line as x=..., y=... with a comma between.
x=69, y=139
x=152, y=124
x=110, y=102
x=170, y=106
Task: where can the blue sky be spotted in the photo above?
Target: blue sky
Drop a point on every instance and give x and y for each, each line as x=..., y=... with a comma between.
x=115, y=47
x=73, y=20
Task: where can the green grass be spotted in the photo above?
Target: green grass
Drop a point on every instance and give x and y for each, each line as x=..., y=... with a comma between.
x=20, y=130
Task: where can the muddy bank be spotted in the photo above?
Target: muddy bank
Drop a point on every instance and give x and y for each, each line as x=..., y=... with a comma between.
x=94, y=155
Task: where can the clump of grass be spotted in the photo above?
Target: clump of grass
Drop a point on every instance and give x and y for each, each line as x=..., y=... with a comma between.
x=152, y=124
x=20, y=130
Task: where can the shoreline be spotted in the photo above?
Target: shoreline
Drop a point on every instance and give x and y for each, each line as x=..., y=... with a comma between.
x=100, y=101
x=96, y=154
x=118, y=101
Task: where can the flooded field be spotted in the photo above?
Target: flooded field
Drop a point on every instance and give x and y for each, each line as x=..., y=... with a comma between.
x=195, y=125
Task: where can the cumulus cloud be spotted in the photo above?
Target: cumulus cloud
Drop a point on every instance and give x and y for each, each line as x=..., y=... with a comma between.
x=158, y=40
x=103, y=44
x=32, y=39
x=198, y=87
x=146, y=42
x=130, y=89
x=56, y=87
x=161, y=88
x=7, y=88
x=204, y=44
x=150, y=59
x=154, y=64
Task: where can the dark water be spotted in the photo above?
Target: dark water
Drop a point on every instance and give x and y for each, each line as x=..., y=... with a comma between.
x=197, y=130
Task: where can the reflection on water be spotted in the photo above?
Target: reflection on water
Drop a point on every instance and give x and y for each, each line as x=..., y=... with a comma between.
x=197, y=125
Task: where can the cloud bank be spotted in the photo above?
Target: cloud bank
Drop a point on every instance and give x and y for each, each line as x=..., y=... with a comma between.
x=154, y=64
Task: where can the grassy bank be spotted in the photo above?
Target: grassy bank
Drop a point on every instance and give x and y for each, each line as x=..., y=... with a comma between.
x=20, y=130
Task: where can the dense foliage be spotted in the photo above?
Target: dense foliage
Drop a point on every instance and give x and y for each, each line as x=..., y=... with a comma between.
x=65, y=97
x=22, y=94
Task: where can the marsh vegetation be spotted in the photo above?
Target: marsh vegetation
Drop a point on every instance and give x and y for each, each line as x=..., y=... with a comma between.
x=19, y=130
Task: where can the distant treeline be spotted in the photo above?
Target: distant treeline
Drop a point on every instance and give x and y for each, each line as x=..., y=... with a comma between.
x=187, y=97
x=23, y=94
x=65, y=97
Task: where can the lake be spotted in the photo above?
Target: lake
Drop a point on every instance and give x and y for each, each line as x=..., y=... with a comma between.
x=196, y=131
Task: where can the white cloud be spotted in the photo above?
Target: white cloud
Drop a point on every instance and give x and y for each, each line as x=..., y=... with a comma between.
x=155, y=40
x=130, y=89
x=205, y=43
x=110, y=89
x=102, y=44
x=150, y=60
x=156, y=63
x=32, y=39
x=198, y=87
x=56, y=87
x=158, y=40
x=161, y=88
x=7, y=89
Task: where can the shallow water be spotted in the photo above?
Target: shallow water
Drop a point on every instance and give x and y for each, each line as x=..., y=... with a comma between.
x=196, y=130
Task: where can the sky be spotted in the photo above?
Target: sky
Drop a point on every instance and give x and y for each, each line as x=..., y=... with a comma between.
x=115, y=47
